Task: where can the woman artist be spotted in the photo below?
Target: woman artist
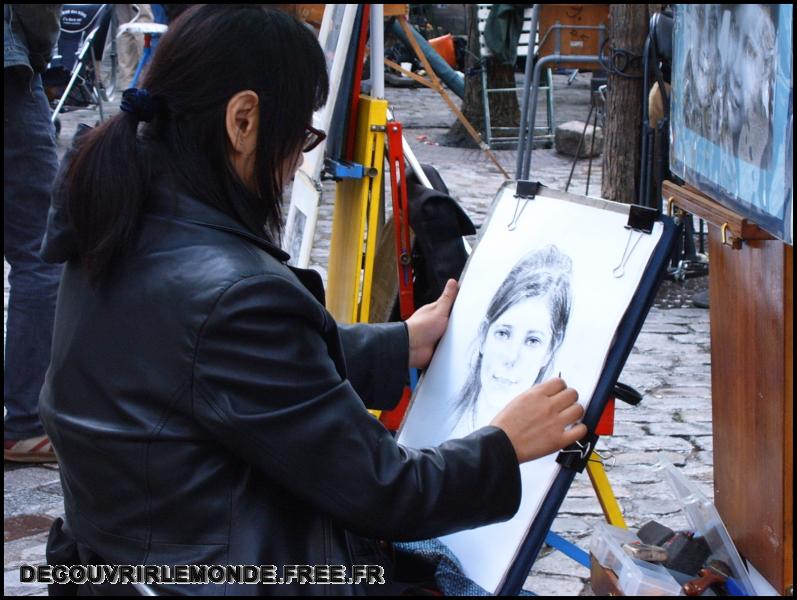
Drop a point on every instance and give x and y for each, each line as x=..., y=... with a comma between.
x=204, y=406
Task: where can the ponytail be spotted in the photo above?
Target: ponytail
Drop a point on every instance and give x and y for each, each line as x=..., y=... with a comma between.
x=107, y=185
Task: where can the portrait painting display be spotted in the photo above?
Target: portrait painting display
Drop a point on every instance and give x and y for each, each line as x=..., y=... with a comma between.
x=731, y=102
x=300, y=225
x=538, y=300
x=297, y=235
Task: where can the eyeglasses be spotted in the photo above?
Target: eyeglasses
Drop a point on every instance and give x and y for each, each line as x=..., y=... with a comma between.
x=312, y=137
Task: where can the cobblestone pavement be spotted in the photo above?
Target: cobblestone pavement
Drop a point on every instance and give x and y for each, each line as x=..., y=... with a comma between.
x=670, y=365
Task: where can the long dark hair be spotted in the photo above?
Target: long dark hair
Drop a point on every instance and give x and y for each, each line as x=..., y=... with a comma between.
x=540, y=273
x=210, y=53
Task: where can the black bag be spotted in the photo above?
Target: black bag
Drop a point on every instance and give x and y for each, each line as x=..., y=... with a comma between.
x=439, y=224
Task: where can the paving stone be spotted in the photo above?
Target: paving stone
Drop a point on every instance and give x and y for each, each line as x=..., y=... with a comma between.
x=656, y=443
x=581, y=506
x=548, y=585
x=25, y=551
x=691, y=338
x=567, y=524
x=13, y=587
x=662, y=429
x=647, y=415
x=670, y=328
x=695, y=416
x=637, y=458
x=628, y=429
x=684, y=390
x=556, y=563
x=634, y=476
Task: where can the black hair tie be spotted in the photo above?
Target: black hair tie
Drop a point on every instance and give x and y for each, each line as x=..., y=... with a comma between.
x=139, y=103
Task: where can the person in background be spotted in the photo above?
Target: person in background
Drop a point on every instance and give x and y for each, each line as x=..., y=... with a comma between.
x=30, y=32
x=130, y=45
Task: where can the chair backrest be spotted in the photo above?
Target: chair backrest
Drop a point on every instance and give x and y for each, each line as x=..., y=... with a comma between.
x=523, y=43
x=79, y=22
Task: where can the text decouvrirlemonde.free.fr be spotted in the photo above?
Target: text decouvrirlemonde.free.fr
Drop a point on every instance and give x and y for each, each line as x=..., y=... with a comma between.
x=203, y=574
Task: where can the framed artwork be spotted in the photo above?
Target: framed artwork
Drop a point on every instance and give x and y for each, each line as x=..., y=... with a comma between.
x=541, y=298
x=731, y=123
x=335, y=38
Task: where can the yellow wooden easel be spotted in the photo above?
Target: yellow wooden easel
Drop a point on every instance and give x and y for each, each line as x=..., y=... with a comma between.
x=355, y=220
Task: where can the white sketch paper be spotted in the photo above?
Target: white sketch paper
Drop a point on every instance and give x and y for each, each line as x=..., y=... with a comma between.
x=533, y=303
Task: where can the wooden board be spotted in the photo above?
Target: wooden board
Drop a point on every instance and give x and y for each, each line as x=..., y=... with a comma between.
x=752, y=363
x=355, y=221
x=698, y=204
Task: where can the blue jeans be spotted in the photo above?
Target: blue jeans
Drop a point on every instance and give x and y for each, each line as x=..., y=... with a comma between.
x=29, y=166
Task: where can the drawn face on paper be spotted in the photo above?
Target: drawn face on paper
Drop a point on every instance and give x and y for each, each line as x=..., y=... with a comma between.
x=516, y=348
x=522, y=329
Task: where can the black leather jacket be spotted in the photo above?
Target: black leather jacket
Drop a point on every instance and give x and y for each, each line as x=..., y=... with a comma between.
x=207, y=409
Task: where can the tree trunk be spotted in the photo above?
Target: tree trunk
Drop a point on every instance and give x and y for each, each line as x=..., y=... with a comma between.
x=504, y=108
x=628, y=29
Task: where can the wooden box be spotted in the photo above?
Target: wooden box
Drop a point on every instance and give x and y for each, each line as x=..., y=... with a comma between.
x=573, y=41
x=752, y=364
x=314, y=13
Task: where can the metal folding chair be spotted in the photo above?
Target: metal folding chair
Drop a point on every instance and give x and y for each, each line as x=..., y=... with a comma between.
x=494, y=135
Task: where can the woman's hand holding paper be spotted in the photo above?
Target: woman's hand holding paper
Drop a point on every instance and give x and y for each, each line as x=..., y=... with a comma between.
x=428, y=324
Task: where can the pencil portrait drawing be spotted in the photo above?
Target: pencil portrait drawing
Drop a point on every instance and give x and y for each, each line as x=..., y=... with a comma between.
x=519, y=336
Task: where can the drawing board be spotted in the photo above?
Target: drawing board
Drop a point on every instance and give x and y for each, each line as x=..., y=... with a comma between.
x=536, y=300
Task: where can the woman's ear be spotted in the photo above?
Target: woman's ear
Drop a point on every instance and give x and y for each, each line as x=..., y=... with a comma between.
x=242, y=120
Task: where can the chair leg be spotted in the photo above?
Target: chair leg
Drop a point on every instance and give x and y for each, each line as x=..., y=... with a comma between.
x=591, y=147
x=488, y=131
x=549, y=98
x=98, y=98
x=67, y=90
x=578, y=151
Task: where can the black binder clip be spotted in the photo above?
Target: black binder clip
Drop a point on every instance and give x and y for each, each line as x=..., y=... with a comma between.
x=577, y=455
x=525, y=191
x=641, y=220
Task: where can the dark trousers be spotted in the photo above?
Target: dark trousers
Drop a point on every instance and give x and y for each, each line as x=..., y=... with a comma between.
x=29, y=166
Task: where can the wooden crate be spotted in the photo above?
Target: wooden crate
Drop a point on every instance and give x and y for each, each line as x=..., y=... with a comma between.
x=314, y=13
x=573, y=41
x=752, y=365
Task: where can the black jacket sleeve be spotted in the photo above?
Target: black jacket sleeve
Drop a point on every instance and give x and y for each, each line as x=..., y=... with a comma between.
x=377, y=361
x=266, y=386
